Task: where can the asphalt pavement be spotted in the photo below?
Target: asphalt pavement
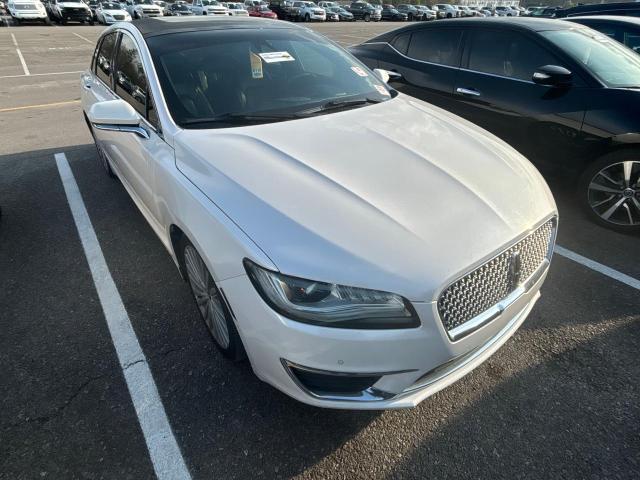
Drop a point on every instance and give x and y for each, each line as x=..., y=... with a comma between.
x=561, y=399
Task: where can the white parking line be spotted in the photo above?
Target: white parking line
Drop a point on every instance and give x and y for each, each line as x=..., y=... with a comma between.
x=83, y=38
x=163, y=449
x=24, y=64
x=40, y=74
x=598, y=267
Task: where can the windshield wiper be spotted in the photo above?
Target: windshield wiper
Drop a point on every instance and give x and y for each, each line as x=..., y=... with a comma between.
x=338, y=105
x=241, y=119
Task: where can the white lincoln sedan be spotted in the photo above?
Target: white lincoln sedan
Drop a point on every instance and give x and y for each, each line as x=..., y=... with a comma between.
x=364, y=249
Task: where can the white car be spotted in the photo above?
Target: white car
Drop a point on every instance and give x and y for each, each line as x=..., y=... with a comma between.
x=63, y=11
x=366, y=270
x=208, y=7
x=309, y=12
x=237, y=9
x=143, y=9
x=109, y=12
x=27, y=10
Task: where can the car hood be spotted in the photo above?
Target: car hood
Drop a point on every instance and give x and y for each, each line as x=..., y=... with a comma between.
x=399, y=196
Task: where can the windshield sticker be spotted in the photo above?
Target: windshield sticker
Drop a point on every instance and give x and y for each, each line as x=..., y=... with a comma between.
x=256, y=65
x=275, y=57
x=382, y=91
x=360, y=72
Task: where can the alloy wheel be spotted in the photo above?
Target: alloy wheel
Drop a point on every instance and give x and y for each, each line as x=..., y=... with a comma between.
x=207, y=296
x=614, y=193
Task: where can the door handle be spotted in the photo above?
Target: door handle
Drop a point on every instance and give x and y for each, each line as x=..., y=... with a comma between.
x=86, y=85
x=468, y=91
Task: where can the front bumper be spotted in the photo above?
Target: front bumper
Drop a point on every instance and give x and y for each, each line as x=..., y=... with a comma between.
x=77, y=16
x=412, y=364
x=29, y=16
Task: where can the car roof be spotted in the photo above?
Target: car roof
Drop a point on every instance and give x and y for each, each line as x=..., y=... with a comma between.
x=522, y=23
x=149, y=27
x=607, y=18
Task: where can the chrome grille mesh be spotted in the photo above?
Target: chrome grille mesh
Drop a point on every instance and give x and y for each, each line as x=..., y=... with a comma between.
x=488, y=284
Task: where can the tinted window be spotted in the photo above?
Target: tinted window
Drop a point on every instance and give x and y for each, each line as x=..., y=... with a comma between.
x=436, y=45
x=401, y=43
x=105, y=55
x=609, y=61
x=208, y=75
x=507, y=54
x=131, y=83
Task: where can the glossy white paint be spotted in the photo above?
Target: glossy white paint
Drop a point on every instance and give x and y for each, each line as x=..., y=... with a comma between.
x=400, y=196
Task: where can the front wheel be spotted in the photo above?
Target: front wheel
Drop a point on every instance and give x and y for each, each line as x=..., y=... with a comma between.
x=609, y=191
x=307, y=18
x=210, y=303
x=367, y=17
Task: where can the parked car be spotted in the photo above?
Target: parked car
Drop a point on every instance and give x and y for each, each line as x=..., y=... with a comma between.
x=27, y=11
x=410, y=11
x=237, y=9
x=389, y=13
x=284, y=9
x=179, y=10
x=310, y=12
x=330, y=15
x=111, y=12
x=445, y=10
x=261, y=11
x=63, y=11
x=143, y=9
x=427, y=13
x=625, y=30
x=343, y=15
x=504, y=11
x=163, y=5
x=364, y=11
x=627, y=9
x=328, y=4
x=465, y=11
x=562, y=94
x=208, y=7
x=365, y=271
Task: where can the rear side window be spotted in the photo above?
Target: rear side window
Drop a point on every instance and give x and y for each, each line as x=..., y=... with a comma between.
x=436, y=45
x=131, y=83
x=508, y=54
x=401, y=42
x=103, y=67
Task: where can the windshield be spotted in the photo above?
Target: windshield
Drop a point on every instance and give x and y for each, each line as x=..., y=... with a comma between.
x=612, y=63
x=144, y=2
x=110, y=6
x=210, y=2
x=208, y=77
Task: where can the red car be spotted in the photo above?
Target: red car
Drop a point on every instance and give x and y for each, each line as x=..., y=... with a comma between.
x=261, y=11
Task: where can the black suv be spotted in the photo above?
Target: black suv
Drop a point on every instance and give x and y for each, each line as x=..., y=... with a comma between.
x=529, y=82
x=364, y=11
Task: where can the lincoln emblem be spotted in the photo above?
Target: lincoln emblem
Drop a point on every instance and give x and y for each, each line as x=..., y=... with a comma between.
x=513, y=274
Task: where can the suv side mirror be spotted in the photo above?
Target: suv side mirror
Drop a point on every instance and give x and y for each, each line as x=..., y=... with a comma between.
x=553, y=76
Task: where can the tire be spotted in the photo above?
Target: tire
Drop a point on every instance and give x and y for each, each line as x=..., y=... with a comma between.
x=92, y=23
x=210, y=303
x=102, y=158
x=609, y=191
x=367, y=17
x=307, y=18
x=47, y=21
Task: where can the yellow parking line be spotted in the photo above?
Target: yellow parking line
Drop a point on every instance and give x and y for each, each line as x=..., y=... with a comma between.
x=42, y=105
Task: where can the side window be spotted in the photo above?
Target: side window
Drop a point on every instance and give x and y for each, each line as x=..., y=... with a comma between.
x=507, y=54
x=632, y=39
x=103, y=66
x=436, y=45
x=401, y=42
x=131, y=83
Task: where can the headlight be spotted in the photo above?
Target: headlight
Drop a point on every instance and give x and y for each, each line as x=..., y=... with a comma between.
x=331, y=305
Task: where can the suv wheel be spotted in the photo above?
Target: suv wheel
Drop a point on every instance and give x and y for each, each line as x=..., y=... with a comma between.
x=609, y=190
x=307, y=18
x=367, y=17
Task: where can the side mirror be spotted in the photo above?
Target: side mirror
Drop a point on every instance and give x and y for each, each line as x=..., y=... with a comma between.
x=116, y=116
x=387, y=75
x=553, y=76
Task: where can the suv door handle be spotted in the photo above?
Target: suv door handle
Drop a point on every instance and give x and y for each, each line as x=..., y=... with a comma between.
x=468, y=91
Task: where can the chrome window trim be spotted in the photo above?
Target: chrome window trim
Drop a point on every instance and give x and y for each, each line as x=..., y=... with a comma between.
x=410, y=58
x=495, y=75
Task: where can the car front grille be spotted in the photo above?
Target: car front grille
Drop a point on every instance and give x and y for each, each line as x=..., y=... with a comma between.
x=492, y=282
